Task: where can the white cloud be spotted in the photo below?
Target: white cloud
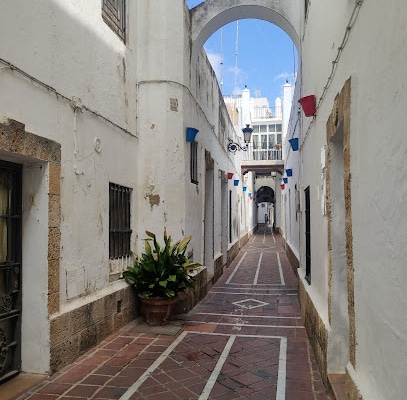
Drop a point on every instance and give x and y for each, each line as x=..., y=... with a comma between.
x=283, y=75
x=215, y=59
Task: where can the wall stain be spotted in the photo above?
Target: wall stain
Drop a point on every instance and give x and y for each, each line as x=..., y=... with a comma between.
x=154, y=199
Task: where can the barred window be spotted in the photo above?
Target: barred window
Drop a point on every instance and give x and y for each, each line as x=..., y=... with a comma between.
x=119, y=221
x=194, y=162
x=114, y=14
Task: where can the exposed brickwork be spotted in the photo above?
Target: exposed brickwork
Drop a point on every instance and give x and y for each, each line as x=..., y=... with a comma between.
x=75, y=332
x=189, y=298
x=352, y=392
x=341, y=115
x=294, y=261
x=218, y=268
x=317, y=333
x=232, y=253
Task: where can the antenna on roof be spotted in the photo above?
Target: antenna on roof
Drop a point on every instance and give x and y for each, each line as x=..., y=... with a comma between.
x=237, y=55
x=221, y=60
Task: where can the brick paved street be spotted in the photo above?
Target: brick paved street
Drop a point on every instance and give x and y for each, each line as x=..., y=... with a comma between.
x=245, y=340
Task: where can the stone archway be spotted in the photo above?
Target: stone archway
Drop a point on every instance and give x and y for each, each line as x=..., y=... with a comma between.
x=209, y=16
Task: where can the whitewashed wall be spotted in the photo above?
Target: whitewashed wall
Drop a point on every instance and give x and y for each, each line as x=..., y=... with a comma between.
x=110, y=106
x=375, y=59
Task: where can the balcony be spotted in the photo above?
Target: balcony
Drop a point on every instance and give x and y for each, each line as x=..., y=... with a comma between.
x=261, y=159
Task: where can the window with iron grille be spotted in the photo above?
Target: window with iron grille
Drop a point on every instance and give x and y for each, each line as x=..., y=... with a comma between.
x=119, y=221
x=114, y=14
x=194, y=162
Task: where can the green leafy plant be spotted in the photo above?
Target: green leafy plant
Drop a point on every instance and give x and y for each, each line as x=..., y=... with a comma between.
x=161, y=271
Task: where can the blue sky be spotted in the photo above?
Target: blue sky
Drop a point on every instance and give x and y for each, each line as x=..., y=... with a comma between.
x=266, y=57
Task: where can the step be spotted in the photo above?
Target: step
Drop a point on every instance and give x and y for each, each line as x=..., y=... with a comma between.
x=337, y=383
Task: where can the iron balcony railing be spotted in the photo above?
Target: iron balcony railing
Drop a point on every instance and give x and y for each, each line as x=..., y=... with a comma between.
x=254, y=152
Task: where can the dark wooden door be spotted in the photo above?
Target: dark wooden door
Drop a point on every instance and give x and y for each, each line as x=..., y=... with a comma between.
x=307, y=236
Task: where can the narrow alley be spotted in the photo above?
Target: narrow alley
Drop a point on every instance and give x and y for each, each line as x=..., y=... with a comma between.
x=245, y=340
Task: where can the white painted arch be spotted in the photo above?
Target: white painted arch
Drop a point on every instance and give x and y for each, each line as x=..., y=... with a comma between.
x=211, y=15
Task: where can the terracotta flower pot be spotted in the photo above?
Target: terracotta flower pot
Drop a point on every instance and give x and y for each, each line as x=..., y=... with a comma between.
x=157, y=310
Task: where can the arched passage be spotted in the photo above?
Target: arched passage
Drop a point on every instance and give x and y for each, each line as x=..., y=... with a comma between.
x=209, y=16
x=265, y=194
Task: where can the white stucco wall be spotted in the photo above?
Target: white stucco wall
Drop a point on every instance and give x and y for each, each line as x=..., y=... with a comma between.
x=378, y=98
x=35, y=324
x=68, y=47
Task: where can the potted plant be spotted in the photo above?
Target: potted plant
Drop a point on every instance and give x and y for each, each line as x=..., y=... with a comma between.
x=159, y=274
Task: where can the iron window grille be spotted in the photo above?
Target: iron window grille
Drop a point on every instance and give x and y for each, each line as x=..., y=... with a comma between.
x=114, y=15
x=119, y=221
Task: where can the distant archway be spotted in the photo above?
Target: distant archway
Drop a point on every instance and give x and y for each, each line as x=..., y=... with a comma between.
x=209, y=16
x=265, y=194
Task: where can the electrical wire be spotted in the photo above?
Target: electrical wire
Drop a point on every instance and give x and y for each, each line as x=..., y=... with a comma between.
x=346, y=35
x=58, y=94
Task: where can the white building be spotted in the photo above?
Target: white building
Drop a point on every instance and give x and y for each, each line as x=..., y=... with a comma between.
x=94, y=106
x=345, y=208
x=96, y=98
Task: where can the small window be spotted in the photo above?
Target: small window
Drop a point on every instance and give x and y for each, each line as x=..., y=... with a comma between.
x=263, y=128
x=272, y=141
x=255, y=140
x=264, y=141
x=255, y=128
x=272, y=128
x=119, y=221
x=279, y=128
x=114, y=14
x=194, y=162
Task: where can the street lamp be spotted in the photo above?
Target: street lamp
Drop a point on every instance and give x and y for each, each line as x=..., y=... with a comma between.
x=247, y=134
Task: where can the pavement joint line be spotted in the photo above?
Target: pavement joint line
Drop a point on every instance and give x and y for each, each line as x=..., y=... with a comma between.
x=282, y=360
x=239, y=335
x=133, y=388
x=260, y=286
x=246, y=325
x=254, y=249
x=257, y=284
x=242, y=305
x=247, y=316
x=216, y=371
x=256, y=294
x=280, y=269
x=236, y=268
x=282, y=370
x=256, y=277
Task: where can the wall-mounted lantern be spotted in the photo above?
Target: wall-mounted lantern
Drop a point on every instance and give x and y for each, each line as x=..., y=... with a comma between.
x=247, y=135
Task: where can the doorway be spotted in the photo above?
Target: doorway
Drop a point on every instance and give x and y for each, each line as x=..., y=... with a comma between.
x=10, y=269
x=307, y=235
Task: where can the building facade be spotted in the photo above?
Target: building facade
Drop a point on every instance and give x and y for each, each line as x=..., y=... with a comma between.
x=96, y=98
x=343, y=204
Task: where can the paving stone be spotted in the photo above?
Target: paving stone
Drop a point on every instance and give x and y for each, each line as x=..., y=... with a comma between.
x=257, y=316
